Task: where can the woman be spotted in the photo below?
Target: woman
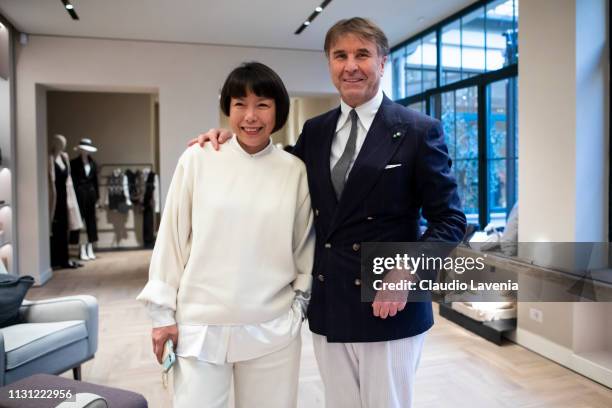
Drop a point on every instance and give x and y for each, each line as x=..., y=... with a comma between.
x=231, y=268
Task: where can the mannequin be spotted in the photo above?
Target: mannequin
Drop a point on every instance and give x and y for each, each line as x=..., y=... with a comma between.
x=85, y=176
x=63, y=207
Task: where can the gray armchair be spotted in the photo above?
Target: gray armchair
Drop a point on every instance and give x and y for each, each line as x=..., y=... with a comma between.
x=58, y=334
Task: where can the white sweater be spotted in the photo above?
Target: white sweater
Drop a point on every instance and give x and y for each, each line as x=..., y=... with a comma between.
x=236, y=237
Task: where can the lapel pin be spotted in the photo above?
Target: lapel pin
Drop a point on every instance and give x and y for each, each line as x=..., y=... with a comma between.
x=397, y=134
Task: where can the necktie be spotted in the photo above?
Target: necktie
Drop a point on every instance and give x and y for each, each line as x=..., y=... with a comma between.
x=338, y=173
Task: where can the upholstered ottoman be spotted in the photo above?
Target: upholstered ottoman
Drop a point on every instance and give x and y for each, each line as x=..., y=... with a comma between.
x=43, y=385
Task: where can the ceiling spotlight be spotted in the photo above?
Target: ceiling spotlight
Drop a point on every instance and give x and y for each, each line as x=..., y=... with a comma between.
x=70, y=9
x=318, y=10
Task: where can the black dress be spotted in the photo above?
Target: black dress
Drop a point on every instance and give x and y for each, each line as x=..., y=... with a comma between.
x=87, y=192
x=148, y=207
x=59, y=226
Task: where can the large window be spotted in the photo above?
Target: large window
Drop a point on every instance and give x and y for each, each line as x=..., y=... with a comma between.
x=414, y=67
x=463, y=71
x=502, y=148
x=459, y=113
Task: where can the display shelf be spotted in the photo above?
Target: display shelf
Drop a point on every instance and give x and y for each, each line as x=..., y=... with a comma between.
x=587, y=351
x=8, y=227
x=495, y=331
x=6, y=223
x=6, y=256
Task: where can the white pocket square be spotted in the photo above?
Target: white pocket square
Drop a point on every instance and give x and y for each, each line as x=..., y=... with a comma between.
x=392, y=166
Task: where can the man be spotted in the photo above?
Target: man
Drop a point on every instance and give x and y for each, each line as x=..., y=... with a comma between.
x=373, y=168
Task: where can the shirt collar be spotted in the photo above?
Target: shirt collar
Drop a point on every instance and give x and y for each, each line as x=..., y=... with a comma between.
x=269, y=147
x=366, y=112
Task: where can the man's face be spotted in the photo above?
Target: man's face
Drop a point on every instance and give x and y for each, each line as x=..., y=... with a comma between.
x=355, y=68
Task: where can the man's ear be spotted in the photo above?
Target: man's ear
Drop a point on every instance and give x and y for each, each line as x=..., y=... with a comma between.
x=383, y=61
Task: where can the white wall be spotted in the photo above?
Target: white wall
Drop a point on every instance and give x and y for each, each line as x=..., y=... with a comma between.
x=187, y=78
x=563, y=149
x=119, y=124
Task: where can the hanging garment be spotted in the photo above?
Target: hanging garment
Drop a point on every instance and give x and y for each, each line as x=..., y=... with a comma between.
x=116, y=196
x=87, y=192
x=59, y=224
x=150, y=205
x=134, y=186
x=139, y=186
x=75, y=222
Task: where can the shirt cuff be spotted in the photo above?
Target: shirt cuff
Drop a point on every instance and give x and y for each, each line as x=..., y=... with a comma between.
x=160, y=293
x=161, y=315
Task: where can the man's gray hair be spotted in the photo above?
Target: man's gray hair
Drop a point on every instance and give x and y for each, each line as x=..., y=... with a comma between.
x=361, y=27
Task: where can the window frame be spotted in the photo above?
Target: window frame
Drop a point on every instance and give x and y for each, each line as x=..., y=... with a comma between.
x=481, y=81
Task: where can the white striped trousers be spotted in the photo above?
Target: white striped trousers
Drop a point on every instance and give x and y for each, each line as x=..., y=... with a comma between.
x=368, y=375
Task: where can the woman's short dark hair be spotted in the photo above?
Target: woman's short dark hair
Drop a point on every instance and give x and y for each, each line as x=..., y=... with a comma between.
x=263, y=82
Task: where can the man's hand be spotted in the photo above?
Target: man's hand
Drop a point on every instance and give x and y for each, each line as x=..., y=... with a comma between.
x=391, y=302
x=160, y=335
x=383, y=309
x=215, y=136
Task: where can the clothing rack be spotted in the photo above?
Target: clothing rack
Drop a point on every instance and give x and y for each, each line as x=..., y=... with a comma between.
x=124, y=166
x=123, y=229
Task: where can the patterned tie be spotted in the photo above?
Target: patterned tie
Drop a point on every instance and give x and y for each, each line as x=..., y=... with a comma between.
x=338, y=173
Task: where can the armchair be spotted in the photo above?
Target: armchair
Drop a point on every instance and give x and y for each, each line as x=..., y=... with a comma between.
x=57, y=335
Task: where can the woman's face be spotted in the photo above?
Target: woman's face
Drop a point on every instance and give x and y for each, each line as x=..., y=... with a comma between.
x=252, y=119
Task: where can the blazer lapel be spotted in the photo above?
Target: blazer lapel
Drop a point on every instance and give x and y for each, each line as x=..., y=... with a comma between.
x=383, y=139
x=321, y=162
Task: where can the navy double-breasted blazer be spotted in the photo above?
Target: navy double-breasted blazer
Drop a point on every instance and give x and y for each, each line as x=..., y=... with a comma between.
x=377, y=205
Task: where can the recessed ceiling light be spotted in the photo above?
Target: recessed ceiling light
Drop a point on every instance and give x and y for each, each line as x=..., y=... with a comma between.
x=306, y=23
x=69, y=6
x=319, y=9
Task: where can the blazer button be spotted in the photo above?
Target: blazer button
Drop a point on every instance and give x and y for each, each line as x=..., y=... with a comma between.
x=357, y=282
x=356, y=247
x=370, y=218
x=321, y=278
x=327, y=245
x=316, y=212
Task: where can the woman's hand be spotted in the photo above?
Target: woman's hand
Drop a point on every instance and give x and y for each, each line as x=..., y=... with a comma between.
x=215, y=136
x=160, y=335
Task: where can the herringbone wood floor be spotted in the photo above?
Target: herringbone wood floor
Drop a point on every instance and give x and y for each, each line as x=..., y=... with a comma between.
x=458, y=369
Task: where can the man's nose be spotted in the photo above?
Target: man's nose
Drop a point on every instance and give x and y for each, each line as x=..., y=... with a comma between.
x=351, y=65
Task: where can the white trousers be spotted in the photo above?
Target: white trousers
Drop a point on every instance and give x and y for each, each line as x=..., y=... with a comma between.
x=270, y=381
x=368, y=375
